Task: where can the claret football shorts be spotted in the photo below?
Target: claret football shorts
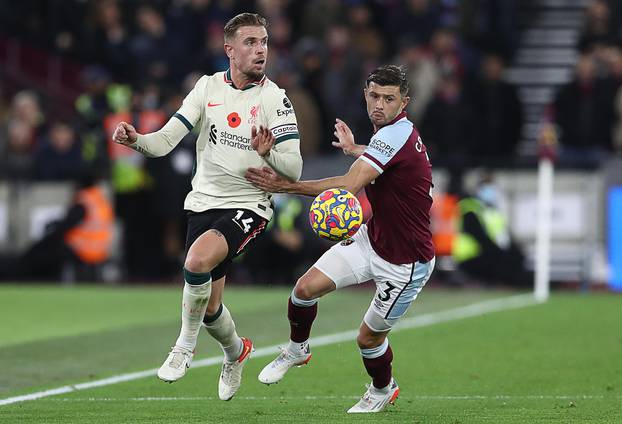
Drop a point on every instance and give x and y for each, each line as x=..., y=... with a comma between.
x=354, y=261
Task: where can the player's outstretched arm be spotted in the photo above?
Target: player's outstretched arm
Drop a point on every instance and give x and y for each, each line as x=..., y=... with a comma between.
x=345, y=140
x=154, y=144
x=360, y=174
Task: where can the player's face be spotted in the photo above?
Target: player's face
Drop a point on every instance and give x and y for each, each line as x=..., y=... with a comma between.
x=384, y=103
x=248, y=51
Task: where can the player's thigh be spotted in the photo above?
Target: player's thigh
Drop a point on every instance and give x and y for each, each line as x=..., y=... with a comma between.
x=347, y=263
x=313, y=284
x=227, y=232
x=204, y=249
x=207, y=251
x=397, y=287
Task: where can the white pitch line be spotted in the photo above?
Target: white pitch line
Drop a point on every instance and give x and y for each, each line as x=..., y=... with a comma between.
x=425, y=320
x=343, y=397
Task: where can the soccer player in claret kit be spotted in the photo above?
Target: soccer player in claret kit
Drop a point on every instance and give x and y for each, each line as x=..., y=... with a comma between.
x=394, y=248
x=245, y=121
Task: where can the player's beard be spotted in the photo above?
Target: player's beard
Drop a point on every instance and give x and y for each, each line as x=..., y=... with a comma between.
x=252, y=75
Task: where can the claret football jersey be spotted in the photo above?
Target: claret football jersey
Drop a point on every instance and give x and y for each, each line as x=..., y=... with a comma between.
x=226, y=115
x=401, y=196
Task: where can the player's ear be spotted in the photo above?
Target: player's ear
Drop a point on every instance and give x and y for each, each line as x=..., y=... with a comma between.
x=228, y=50
x=405, y=101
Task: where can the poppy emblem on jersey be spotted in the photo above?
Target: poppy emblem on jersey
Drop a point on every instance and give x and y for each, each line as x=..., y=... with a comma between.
x=234, y=119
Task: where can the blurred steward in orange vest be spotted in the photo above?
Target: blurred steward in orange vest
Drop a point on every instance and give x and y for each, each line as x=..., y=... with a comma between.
x=79, y=242
x=91, y=239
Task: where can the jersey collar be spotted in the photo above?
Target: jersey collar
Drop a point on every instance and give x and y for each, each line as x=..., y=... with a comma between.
x=251, y=84
x=400, y=115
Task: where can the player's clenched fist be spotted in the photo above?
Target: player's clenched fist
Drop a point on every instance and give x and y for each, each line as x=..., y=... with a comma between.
x=124, y=134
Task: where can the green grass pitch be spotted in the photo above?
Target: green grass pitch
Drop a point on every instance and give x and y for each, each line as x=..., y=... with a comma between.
x=559, y=362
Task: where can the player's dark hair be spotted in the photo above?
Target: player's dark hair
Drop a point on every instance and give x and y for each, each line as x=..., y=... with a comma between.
x=389, y=75
x=243, y=19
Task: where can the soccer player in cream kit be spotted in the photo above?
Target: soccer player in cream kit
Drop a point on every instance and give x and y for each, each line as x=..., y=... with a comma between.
x=245, y=121
x=394, y=248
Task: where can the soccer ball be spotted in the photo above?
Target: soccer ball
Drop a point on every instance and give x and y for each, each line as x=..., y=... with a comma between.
x=335, y=214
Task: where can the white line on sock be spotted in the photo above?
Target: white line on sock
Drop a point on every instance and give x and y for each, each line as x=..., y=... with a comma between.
x=425, y=320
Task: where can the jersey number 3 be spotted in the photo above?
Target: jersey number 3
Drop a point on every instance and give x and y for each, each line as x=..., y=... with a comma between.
x=244, y=224
x=387, y=292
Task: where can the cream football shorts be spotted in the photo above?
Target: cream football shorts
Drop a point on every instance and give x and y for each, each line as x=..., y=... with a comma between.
x=354, y=261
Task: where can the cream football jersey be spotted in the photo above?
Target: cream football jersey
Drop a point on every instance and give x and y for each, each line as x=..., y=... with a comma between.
x=223, y=150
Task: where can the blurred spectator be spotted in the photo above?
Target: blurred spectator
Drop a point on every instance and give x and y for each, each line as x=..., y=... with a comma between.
x=75, y=245
x=365, y=38
x=584, y=113
x=340, y=91
x=16, y=152
x=598, y=28
x=310, y=59
x=449, y=124
x=307, y=113
x=444, y=52
x=320, y=15
x=484, y=249
x=424, y=78
x=489, y=24
x=499, y=114
x=26, y=109
x=59, y=155
x=109, y=39
x=133, y=185
x=156, y=53
x=413, y=19
x=444, y=215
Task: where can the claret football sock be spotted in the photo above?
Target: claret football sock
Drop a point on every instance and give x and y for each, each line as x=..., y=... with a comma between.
x=377, y=362
x=301, y=314
x=197, y=290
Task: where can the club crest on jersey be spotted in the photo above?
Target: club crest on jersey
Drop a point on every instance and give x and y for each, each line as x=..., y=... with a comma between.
x=234, y=120
x=253, y=113
x=347, y=242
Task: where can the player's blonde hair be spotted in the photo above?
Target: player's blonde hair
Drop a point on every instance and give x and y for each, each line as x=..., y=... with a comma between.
x=243, y=19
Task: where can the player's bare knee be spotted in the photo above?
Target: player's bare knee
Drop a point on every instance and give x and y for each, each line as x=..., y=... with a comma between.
x=303, y=290
x=197, y=263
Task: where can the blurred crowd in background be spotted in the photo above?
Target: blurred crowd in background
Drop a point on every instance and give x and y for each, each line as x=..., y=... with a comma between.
x=136, y=60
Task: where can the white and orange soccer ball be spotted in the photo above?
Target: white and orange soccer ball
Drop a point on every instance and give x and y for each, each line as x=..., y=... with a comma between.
x=335, y=214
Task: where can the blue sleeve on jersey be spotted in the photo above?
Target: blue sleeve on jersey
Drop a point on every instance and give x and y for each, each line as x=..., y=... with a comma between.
x=388, y=141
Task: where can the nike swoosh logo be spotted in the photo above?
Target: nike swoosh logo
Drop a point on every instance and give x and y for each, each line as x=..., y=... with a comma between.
x=245, y=352
x=213, y=104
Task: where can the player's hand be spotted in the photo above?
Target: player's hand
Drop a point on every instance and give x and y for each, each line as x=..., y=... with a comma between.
x=345, y=138
x=125, y=134
x=262, y=140
x=266, y=179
